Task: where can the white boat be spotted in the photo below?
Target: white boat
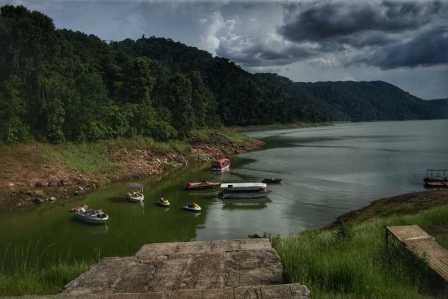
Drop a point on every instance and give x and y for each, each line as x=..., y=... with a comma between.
x=192, y=207
x=137, y=194
x=243, y=190
x=163, y=202
x=91, y=216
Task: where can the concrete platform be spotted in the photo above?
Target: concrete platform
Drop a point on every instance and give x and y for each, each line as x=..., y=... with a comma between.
x=247, y=268
x=422, y=245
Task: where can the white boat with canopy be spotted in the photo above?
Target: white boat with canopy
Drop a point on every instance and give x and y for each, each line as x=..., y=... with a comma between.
x=243, y=190
x=136, y=194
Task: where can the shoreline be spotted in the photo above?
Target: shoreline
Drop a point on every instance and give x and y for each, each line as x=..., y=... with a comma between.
x=60, y=172
x=295, y=125
x=402, y=204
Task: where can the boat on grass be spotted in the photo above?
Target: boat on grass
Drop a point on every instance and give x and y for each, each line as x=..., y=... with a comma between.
x=91, y=216
x=193, y=207
x=136, y=194
x=202, y=185
x=243, y=190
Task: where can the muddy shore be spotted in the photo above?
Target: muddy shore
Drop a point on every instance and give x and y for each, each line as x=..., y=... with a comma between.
x=29, y=177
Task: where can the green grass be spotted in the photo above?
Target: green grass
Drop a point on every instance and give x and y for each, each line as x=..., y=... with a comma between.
x=22, y=272
x=352, y=261
x=48, y=280
x=221, y=135
x=94, y=158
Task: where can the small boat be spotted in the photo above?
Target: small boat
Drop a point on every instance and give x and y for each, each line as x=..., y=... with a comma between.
x=192, y=207
x=202, y=185
x=90, y=216
x=436, y=178
x=272, y=180
x=221, y=165
x=137, y=194
x=163, y=202
x=243, y=190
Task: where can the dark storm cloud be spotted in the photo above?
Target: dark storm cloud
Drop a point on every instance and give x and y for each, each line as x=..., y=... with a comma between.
x=344, y=21
x=428, y=48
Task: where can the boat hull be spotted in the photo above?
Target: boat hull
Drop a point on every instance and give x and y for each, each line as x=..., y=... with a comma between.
x=91, y=220
x=136, y=198
x=186, y=208
x=201, y=186
x=244, y=195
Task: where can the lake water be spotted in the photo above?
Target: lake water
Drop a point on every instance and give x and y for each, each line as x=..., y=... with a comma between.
x=326, y=171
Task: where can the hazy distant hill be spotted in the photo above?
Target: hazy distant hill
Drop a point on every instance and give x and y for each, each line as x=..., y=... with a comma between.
x=439, y=108
x=58, y=85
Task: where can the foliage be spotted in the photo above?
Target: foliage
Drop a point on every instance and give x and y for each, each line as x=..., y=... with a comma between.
x=60, y=85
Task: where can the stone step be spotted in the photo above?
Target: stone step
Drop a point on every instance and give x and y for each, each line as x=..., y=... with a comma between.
x=223, y=268
x=283, y=291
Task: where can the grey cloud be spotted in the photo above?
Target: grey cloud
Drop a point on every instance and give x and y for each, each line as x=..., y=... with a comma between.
x=428, y=48
x=348, y=22
x=259, y=55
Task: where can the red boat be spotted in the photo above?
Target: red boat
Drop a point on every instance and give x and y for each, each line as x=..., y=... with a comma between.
x=201, y=185
x=221, y=165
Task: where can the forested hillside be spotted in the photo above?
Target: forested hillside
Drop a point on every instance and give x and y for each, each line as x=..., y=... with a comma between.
x=60, y=85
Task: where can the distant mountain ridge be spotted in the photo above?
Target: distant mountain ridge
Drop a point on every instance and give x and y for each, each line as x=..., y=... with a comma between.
x=59, y=85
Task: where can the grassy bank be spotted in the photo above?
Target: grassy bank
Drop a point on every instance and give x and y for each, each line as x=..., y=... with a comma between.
x=351, y=261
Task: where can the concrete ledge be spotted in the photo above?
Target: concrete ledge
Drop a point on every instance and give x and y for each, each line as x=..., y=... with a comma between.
x=248, y=268
x=284, y=291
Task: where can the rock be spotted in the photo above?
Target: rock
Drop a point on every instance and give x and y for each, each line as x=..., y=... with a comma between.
x=52, y=198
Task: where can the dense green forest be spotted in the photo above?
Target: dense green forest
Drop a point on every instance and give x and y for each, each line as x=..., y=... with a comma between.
x=60, y=85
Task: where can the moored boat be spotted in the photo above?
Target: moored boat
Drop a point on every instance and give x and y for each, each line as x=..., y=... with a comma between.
x=202, y=185
x=243, y=190
x=436, y=178
x=163, y=202
x=221, y=165
x=272, y=180
x=137, y=194
x=90, y=216
x=192, y=207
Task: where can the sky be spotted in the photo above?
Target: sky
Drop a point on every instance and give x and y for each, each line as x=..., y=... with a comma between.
x=401, y=42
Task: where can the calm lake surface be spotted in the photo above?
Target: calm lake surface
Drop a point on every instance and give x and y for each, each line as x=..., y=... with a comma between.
x=326, y=171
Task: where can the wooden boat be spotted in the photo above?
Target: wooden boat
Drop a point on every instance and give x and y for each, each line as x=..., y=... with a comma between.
x=202, y=185
x=192, y=207
x=272, y=180
x=243, y=190
x=221, y=165
x=137, y=194
x=90, y=216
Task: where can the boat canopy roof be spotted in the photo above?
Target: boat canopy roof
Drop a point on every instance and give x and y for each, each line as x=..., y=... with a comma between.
x=135, y=186
x=243, y=185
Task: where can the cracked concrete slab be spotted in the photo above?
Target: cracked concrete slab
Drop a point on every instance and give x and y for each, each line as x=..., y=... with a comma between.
x=248, y=268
